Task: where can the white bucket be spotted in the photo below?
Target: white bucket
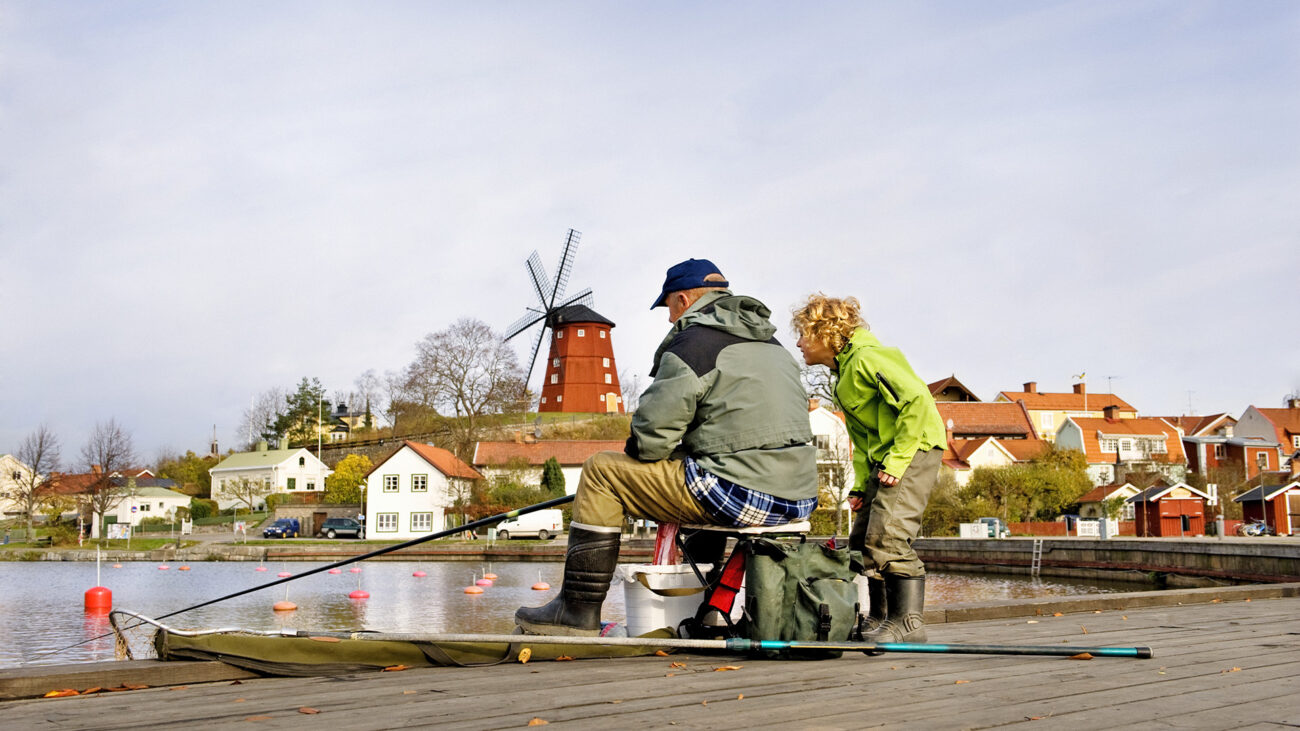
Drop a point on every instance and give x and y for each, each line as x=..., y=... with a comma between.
x=647, y=610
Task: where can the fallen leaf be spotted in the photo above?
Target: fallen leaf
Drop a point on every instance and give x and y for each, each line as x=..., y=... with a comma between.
x=1032, y=621
x=704, y=703
x=1096, y=611
x=563, y=658
x=240, y=700
x=893, y=667
x=1057, y=614
x=1038, y=612
x=620, y=700
x=525, y=654
x=96, y=689
x=677, y=665
x=1124, y=617
x=409, y=692
x=740, y=697
x=1233, y=670
x=661, y=653
x=1085, y=629
x=129, y=686
x=1082, y=656
x=236, y=682
x=1161, y=673
x=308, y=711
x=258, y=718
x=325, y=639
x=1034, y=718
x=1215, y=601
x=669, y=675
x=178, y=687
x=1247, y=600
x=61, y=693
x=537, y=722
x=959, y=682
x=396, y=668
x=727, y=667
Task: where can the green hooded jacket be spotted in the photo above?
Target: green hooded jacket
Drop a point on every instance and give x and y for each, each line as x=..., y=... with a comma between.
x=891, y=414
x=727, y=394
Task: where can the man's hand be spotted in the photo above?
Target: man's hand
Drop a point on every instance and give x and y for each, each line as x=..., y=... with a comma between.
x=887, y=479
x=855, y=503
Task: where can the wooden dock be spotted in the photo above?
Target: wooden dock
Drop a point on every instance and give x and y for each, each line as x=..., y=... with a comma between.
x=1230, y=664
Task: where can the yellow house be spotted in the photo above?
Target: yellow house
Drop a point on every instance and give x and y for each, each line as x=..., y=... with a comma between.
x=1048, y=411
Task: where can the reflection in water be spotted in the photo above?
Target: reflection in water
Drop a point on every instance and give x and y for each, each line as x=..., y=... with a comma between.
x=41, y=608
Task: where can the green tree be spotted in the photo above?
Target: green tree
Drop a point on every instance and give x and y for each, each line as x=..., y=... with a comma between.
x=304, y=415
x=190, y=471
x=1040, y=489
x=553, y=478
x=344, y=486
x=947, y=508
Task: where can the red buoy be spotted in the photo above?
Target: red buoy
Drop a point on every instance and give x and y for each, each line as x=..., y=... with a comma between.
x=260, y=568
x=355, y=570
x=419, y=574
x=163, y=567
x=284, y=606
x=335, y=571
x=99, y=599
x=484, y=582
x=283, y=574
x=359, y=594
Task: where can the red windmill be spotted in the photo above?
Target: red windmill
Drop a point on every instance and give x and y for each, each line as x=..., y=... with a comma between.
x=580, y=376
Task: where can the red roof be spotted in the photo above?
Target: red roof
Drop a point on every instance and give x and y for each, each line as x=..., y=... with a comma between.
x=1105, y=492
x=61, y=484
x=1194, y=426
x=567, y=453
x=1285, y=421
x=1141, y=427
x=1068, y=401
x=977, y=419
x=441, y=459
x=1023, y=449
x=959, y=451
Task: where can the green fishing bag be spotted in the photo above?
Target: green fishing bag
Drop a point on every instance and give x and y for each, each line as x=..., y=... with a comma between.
x=801, y=591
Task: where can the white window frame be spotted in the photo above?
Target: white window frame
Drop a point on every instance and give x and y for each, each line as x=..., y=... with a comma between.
x=1046, y=422
x=1126, y=445
x=1109, y=444
x=559, y=335
x=555, y=362
x=422, y=517
x=392, y=483
x=1220, y=451
x=1126, y=511
x=559, y=399
x=555, y=378
x=609, y=378
x=386, y=522
x=606, y=362
x=420, y=483
x=582, y=333
x=1158, y=447
x=602, y=334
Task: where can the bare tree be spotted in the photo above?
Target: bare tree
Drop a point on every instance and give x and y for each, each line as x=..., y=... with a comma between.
x=632, y=388
x=260, y=416
x=835, y=470
x=109, y=450
x=370, y=394
x=248, y=491
x=820, y=383
x=467, y=370
x=39, y=453
x=393, y=388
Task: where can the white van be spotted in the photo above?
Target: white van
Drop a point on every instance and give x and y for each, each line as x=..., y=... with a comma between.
x=544, y=524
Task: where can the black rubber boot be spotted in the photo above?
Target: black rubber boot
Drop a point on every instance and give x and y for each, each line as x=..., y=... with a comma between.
x=875, y=615
x=905, y=613
x=588, y=568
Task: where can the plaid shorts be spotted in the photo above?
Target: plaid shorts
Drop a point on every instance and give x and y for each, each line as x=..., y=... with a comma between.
x=733, y=505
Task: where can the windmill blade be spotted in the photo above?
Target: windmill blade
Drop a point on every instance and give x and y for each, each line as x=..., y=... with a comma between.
x=541, y=283
x=532, y=363
x=582, y=298
x=566, y=265
x=532, y=318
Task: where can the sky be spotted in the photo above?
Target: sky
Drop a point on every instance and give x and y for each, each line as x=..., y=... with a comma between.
x=203, y=201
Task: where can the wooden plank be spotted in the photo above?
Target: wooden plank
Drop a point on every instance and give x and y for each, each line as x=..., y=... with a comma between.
x=30, y=682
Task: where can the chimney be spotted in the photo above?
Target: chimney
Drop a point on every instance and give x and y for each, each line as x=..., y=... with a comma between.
x=261, y=445
x=814, y=404
x=1293, y=403
x=948, y=431
x=1080, y=388
x=1295, y=467
x=1031, y=387
x=1110, y=412
x=96, y=469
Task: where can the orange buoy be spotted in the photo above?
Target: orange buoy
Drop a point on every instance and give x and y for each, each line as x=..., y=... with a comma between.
x=541, y=586
x=284, y=606
x=99, y=599
x=419, y=574
x=359, y=594
x=183, y=568
x=335, y=571
x=490, y=576
x=117, y=565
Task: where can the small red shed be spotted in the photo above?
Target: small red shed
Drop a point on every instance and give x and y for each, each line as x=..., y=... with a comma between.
x=1276, y=505
x=1169, y=510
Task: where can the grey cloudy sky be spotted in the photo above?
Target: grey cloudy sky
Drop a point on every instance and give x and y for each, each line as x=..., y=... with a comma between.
x=200, y=201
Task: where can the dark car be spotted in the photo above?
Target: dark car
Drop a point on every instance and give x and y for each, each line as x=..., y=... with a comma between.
x=282, y=528
x=335, y=527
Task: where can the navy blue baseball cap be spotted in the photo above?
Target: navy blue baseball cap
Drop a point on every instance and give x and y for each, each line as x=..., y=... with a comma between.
x=688, y=275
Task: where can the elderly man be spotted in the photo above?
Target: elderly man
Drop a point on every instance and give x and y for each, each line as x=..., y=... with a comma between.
x=721, y=437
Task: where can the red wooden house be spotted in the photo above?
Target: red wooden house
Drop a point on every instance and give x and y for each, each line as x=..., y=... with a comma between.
x=1277, y=505
x=1169, y=510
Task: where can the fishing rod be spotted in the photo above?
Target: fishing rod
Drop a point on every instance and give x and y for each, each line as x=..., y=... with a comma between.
x=481, y=522
x=740, y=644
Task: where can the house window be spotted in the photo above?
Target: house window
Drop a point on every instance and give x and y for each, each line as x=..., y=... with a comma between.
x=311, y=485
x=1126, y=512
x=1126, y=445
x=559, y=398
x=1158, y=446
x=602, y=334
x=18, y=476
x=302, y=461
x=419, y=483
x=1220, y=451
x=1261, y=460
x=555, y=362
x=386, y=522
x=555, y=378
x=559, y=335
x=390, y=485
x=543, y=399
x=144, y=507
x=609, y=378
x=581, y=332
x=291, y=483
x=1295, y=442
x=1046, y=422
x=421, y=522
x=823, y=441
x=1109, y=445
x=606, y=362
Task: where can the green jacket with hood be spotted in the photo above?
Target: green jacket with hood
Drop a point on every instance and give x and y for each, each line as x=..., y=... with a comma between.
x=891, y=414
x=727, y=394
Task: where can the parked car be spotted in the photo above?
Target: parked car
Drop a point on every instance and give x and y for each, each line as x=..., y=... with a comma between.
x=543, y=524
x=282, y=528
x=335, y=527
x=997, y=529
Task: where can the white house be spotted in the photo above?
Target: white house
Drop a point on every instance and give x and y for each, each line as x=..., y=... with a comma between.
x=1130, y=444
x=13, y=473
x=408, y=493
x=149, y=502
x=524, y=460
x=282, y=470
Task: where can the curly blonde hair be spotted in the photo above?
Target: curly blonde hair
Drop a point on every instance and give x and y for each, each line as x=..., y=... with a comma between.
x=829, y=320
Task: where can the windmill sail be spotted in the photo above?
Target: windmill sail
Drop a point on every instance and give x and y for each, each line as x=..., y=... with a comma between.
x=549, y=294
